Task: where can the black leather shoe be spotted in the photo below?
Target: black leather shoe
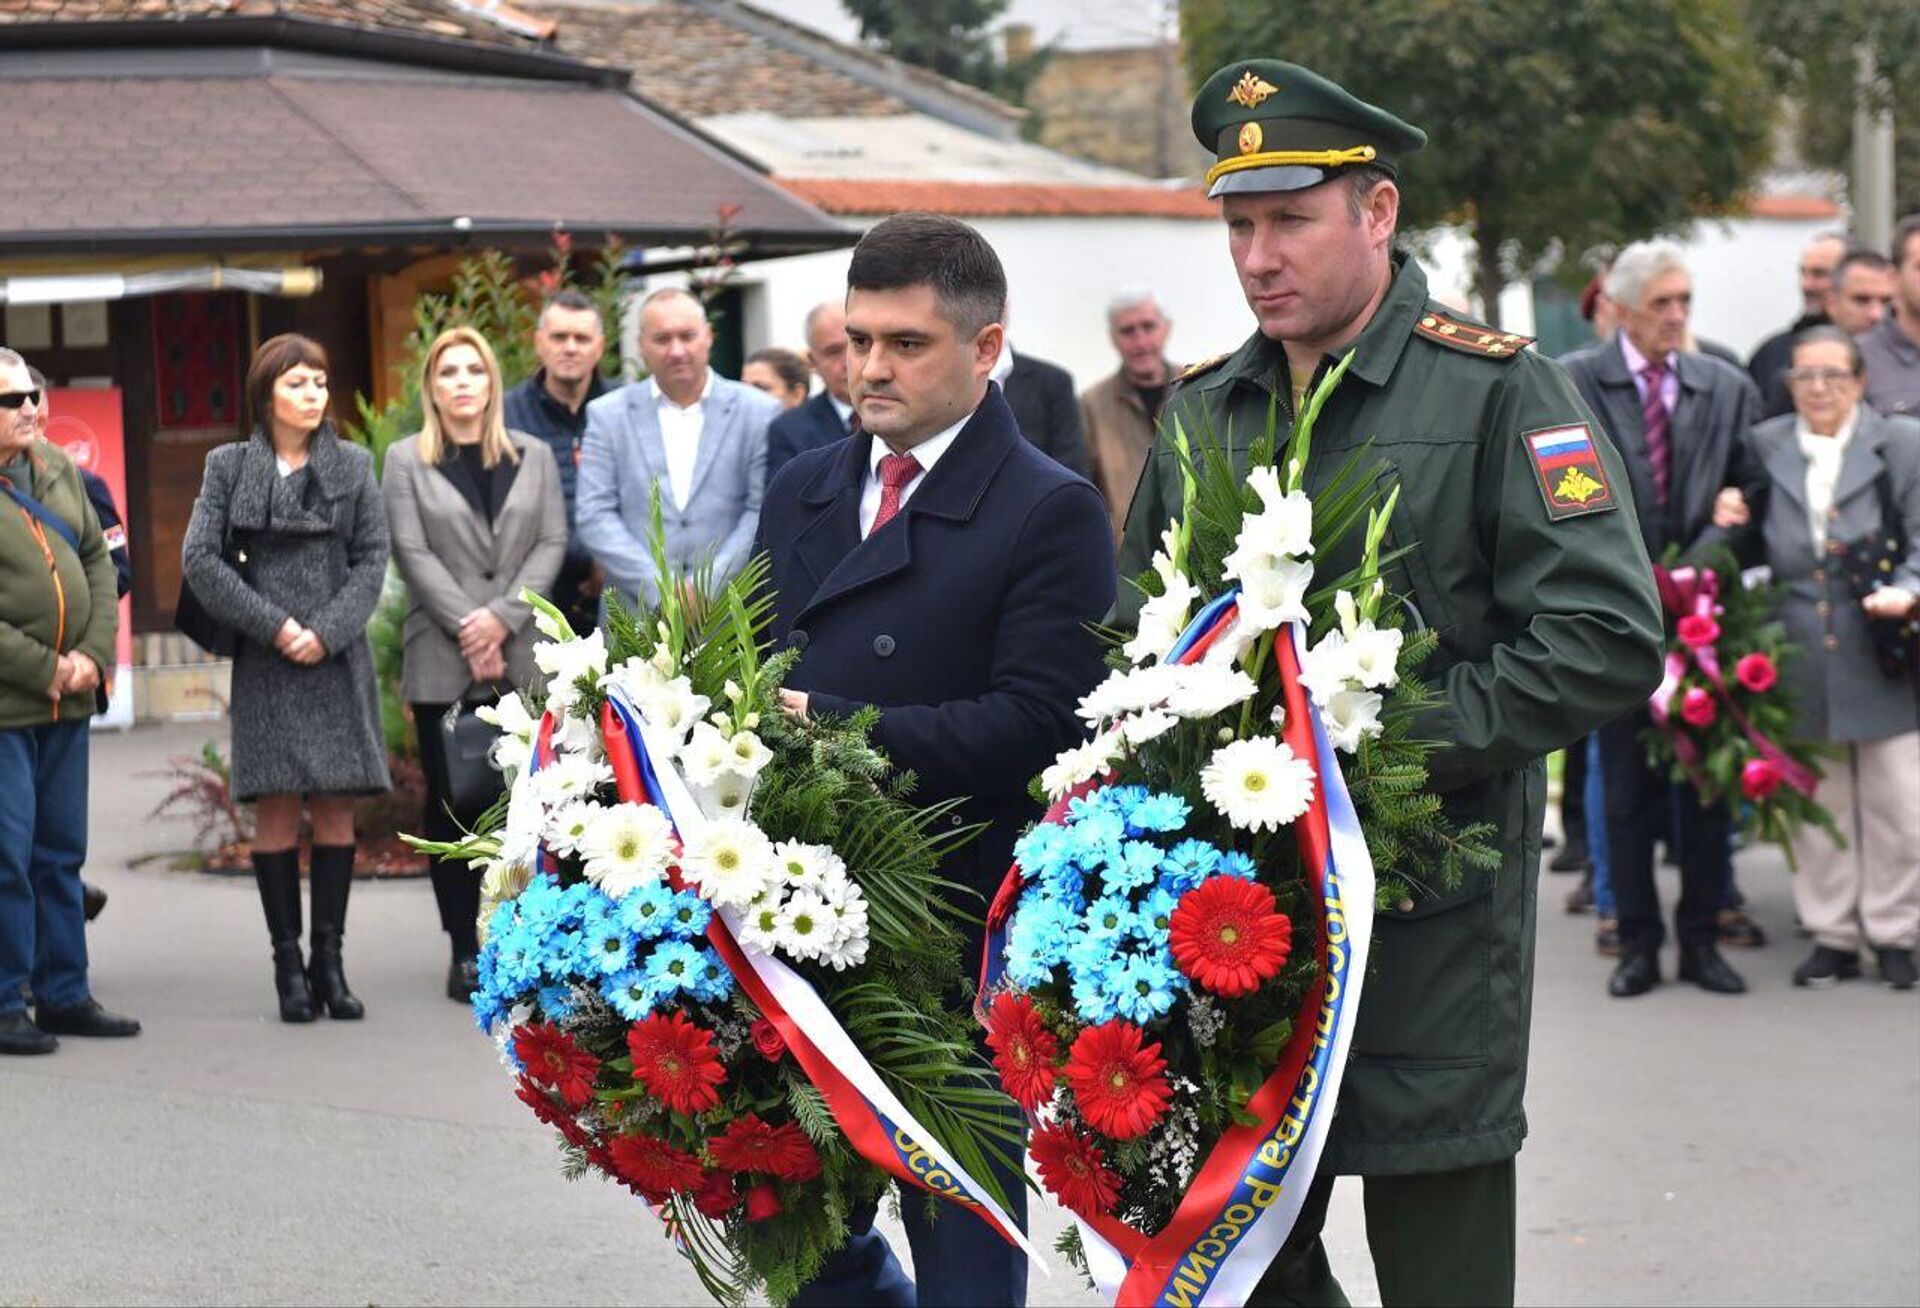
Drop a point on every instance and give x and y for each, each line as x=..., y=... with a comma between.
x=1637, y=973
x=88, y=1019
x=1705, y=968
x=1825, y=967
x=463, y=978
x=1571, y=859
x=1896, y=968
x=18, y=1035
x=93, y=899
x=1580, y=898
x=1606, y=937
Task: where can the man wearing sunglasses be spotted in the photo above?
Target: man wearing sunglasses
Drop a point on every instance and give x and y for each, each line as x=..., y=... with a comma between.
x=58, y=614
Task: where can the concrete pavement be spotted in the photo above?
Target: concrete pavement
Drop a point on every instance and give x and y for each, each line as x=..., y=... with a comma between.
x=1685, y=1148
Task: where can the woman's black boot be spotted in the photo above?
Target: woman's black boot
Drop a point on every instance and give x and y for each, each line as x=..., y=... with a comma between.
x=332, y=876
x=278, y=875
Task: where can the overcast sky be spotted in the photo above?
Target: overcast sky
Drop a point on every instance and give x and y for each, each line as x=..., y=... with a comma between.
x=1075, y=23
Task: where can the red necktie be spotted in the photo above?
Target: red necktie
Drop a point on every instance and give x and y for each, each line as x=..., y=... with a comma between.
x=896, y=470
x=1657, y=421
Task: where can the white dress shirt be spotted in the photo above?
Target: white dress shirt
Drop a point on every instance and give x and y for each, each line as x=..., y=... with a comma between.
x=1824, y=456
x=845, y=409
x=926, y=454
x=680, y=433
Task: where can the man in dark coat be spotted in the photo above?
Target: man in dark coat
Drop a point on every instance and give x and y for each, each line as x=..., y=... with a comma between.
x=1680, y=422
x=942, y=569
x=828, y=416
x=1768, y=366
x=1042, y=399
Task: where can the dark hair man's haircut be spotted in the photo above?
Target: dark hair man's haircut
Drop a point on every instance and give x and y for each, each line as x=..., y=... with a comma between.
x=1908, y=229
x=277, y=355
x=930, y=249
x=578, y=301
x=1828, y=334
x=1859, y=259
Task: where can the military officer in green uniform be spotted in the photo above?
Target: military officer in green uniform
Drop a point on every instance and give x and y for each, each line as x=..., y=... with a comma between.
x=1524, y=556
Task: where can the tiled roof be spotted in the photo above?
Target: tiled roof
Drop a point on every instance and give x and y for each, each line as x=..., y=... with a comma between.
x=1792, y=207
x=999, y=199
x=426, y=17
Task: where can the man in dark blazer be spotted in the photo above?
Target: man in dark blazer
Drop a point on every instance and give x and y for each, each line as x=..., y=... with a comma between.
x=940, y=568
x=1681, y=423
x=828, y=416
x=1043, y=402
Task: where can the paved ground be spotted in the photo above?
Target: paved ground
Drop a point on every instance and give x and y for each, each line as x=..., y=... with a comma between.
x=1685, y=1148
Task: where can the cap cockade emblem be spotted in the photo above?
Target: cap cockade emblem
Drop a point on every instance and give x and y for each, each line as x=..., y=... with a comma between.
x=1251, y=91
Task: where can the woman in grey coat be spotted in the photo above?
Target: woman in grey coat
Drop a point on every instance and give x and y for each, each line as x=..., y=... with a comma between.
x=1826, y=465
x=303, y=507
x=478, y=517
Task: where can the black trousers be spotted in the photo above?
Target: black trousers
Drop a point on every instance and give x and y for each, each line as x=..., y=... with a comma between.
x=1638, y=801
x=1573, y=795
x=456, y=885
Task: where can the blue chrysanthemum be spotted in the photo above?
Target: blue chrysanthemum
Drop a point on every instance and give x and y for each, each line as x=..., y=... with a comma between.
x=1038, y=938
x=516, y=960
x=1091, y=1001
x=1065, y=884
x=1044, y=850
x=644, y=911
x=1082, y=807
x=1189, y=863
x=1124, y=800
x=630, y=993
x=1233, y=863
x=1108, y=918
x=1137, y=865
x=556, y=1002
x=1097, y=837
x=1159, y=813
x=1155, y=914
x=688, y=916
x=609, y=944
x=540, y=904
x=712, y=981
x=673, y=966
x=1142, y=988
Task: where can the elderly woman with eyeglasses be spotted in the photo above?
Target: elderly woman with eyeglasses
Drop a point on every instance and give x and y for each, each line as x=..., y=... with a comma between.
x=1830, y=467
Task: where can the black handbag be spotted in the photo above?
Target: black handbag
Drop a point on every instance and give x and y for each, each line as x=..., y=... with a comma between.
x=1867, y=563
x=190, y=616
x=468, y=778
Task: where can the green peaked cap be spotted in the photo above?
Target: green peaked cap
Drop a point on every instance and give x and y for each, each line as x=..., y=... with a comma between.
x=1275, y=126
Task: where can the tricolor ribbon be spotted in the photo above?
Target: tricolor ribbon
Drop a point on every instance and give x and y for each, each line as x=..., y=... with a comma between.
x=878, y=1126
x=1247, y=1194
x=1695, y=593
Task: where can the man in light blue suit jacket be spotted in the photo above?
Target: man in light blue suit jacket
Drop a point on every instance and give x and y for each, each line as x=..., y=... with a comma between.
x=698, y=438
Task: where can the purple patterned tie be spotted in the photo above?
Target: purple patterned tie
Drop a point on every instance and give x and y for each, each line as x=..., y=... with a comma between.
x=1655, y=419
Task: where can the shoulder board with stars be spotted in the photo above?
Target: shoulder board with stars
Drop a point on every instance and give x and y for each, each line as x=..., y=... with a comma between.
x=1205, y=365
x=1470, y=337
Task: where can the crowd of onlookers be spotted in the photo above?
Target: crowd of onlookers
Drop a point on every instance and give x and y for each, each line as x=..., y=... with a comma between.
x=556, y=486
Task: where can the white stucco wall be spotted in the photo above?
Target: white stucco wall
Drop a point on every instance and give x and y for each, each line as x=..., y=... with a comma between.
x=1746, y=279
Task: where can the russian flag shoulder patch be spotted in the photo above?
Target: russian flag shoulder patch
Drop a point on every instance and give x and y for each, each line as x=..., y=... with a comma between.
x=1566, y=464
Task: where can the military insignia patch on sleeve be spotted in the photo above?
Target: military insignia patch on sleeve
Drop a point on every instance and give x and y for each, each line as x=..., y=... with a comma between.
x=1566, y=463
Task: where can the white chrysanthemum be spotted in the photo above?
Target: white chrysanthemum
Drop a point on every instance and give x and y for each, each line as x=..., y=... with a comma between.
x=760, y=923
x=1273, y=588
x=568, y=825
x=629, y=846
x=1258, y=784
x=1081, y=763
x=847, y=947
x=1284, y=524
x=731, y=861
x=1350, y=717
x=706, y=754
x=570, y=777
x=673, y=707
x=1206, y=689
x=727, y=797
x=1327, y=668
x=803, y=865
x=806, y=925
x=1137, y=729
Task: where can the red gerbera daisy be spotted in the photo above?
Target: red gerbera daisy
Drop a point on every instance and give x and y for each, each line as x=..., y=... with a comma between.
x=1118, y=1079
x=676, y=1062
x=543, y=1108
x=655, y=1168
x=1074, y=1169
x=1024, y=1051
x=1228, y=936
x=552, y=1059
x=750, y=1145
x=717, y=1195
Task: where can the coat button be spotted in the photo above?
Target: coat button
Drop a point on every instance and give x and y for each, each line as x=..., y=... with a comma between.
x=883, y=646
x=954, y=821
x=1833, y=642
x=797, y=639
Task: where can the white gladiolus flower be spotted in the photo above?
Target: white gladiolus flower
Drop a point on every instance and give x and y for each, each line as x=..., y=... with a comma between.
x=633, y=678
x=1206, y=689
x=1139, y=728
x=551, y=627
x=727, y=797
x=504, y=880
x=731, y=862
x=1327, y=668
x=673, y=708
x=1081, y=763
x=750, y=753
x=706, y=755
x=580, y=737
x=1165, y=616
x=1350, y=717
x=1273, y=588
x=568, y=826
x=1284, y=524
x=1258, y=784
x=1373, y=653
x=510, y=715
x=629, y=847
x=510, y=754
x=566, y=661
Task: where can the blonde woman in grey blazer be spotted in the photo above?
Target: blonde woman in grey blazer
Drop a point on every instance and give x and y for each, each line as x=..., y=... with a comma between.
x=1824, y=466
x=477, y=516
